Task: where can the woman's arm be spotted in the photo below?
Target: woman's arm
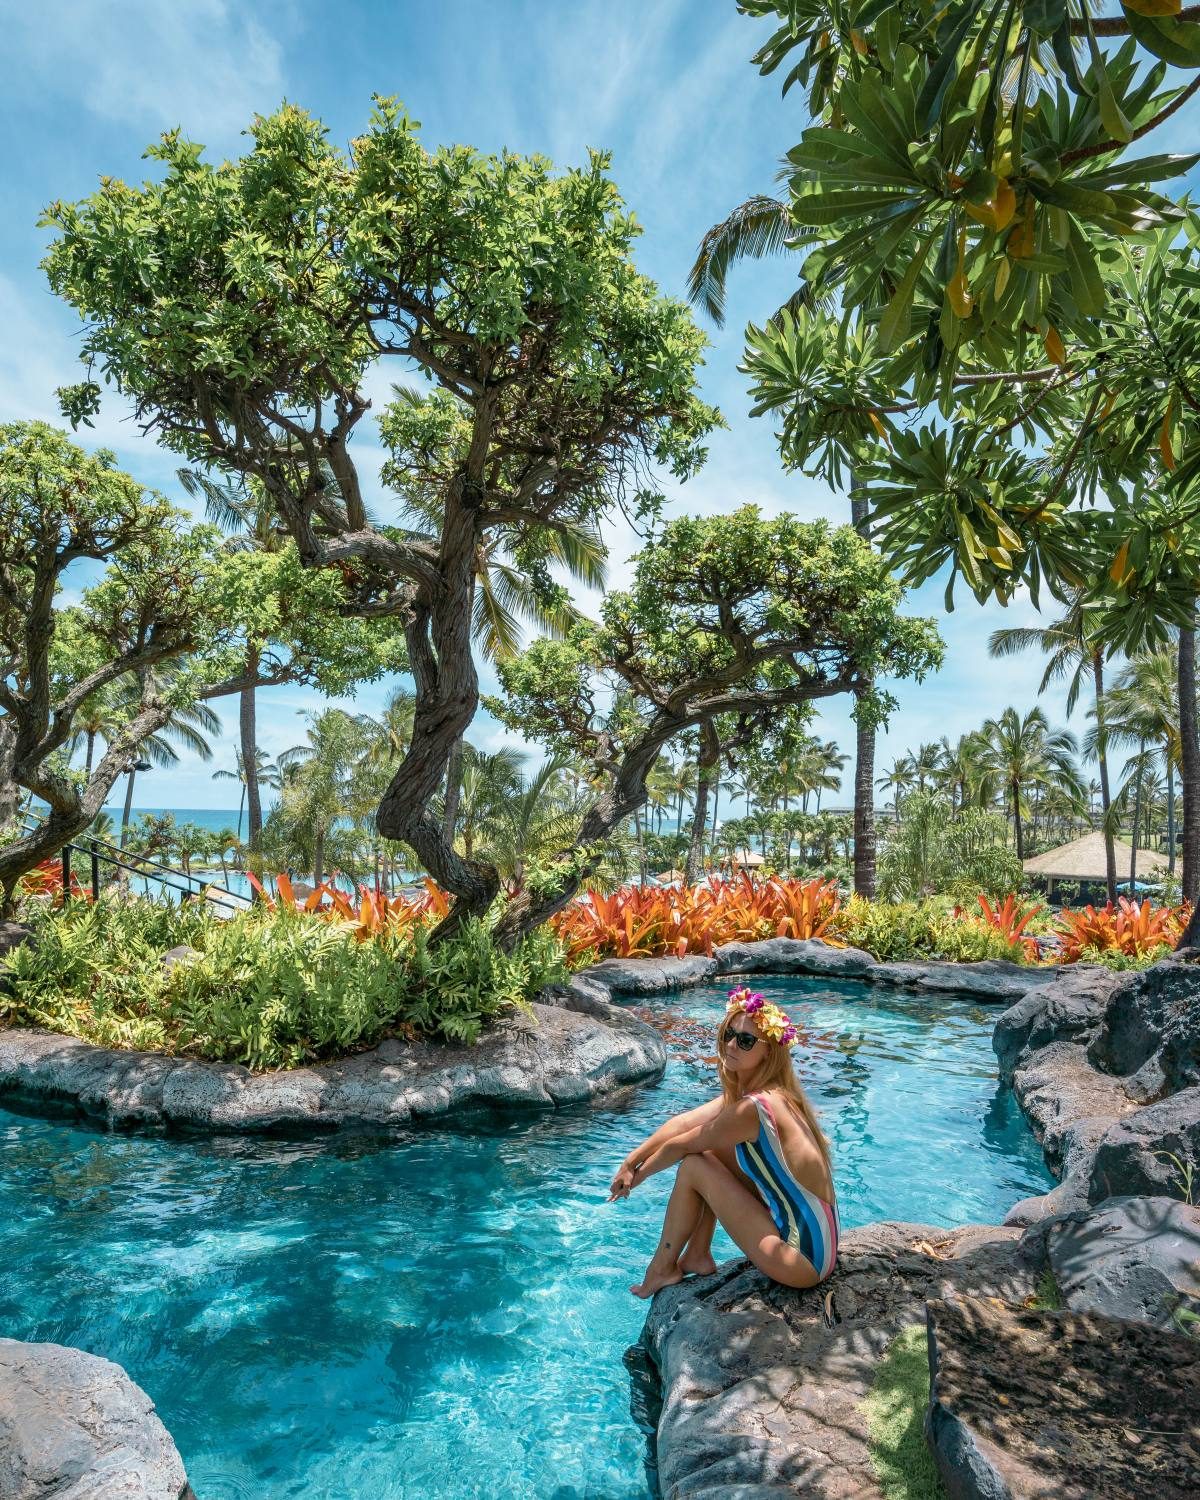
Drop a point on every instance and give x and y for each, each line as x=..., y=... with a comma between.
x=690, y=1119
x=677, y=1125
x=734, y=1124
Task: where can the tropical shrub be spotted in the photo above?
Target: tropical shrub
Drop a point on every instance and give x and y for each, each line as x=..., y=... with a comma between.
x=1009, y=921
x=370, y=915
x=938, y=851
x=892, y=932
x=1129, y=927
x=268, y=989
x=646, y=922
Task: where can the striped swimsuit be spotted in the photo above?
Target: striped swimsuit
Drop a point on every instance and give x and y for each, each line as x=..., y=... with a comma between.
x=803, y=1220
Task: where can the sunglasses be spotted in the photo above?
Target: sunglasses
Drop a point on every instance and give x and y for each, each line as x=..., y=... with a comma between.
x=745, y=1041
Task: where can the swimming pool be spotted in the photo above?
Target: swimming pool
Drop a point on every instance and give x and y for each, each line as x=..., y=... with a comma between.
x=446, y=1315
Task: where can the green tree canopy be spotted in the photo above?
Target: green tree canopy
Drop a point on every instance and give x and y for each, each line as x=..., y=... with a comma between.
x=240, y=305
x=739, y=618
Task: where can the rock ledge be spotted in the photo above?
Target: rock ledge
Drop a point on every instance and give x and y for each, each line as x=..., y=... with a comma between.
x=553, y=1057
x=76, y=1427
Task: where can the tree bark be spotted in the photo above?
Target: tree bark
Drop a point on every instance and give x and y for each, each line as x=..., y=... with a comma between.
x=453, y=792
x=128, y=807
x=1110, y=847
x=864, y=753
x=1018, y=831
x=864, y=811
x=710, y=750
x=318, y=854
x=1189, y=781
x=249, y=740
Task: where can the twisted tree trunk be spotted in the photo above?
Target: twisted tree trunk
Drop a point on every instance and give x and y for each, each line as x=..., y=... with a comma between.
x=438, y=635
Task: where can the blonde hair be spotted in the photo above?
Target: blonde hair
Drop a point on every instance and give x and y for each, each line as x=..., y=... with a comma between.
x=776, y=1073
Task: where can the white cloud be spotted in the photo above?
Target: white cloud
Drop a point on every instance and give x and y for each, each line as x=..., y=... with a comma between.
x=205, y=64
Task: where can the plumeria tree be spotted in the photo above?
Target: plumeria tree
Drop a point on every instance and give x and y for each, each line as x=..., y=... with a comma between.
x=735, y=617
x=992, y=340
x=241, y=305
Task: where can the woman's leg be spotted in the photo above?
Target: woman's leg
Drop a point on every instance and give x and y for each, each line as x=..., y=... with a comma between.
x=700, y=1180
x=697, y=1257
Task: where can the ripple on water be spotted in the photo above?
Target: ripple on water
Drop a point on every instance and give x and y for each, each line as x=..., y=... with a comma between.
x=354, y=1320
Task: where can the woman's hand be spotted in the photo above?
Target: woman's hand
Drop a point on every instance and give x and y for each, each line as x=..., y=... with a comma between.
x=622, y=1184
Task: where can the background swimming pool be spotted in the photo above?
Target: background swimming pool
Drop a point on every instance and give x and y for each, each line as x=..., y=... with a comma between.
x=446, y=1315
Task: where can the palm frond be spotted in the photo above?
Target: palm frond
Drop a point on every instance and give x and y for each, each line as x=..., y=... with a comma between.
x=760, y=226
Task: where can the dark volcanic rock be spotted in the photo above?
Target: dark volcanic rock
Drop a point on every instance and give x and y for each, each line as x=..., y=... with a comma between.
x=1134, y=1154
x=1152, y=1029
x=993, y=980
x=1068, y=1009
x=12, y=935
x=1133, y=1258
x=1028, y=1405
x=650, y=976
x=76, y=1427
x=792, y=956
x=762, y=1386
x=548, y=1058
x=1067, y=1102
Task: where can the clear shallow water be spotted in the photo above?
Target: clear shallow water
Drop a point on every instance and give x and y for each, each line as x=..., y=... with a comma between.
x=447, y=1315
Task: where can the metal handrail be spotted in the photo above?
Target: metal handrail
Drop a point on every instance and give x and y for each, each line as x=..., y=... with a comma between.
x=234, y=903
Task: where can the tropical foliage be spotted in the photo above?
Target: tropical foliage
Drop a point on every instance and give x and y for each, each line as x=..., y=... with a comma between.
x=643, y=922
x=270, y=990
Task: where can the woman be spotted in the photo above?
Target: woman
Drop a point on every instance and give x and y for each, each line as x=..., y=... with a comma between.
x=754, y=1159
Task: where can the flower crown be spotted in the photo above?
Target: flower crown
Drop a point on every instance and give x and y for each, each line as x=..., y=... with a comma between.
x=773, y=1023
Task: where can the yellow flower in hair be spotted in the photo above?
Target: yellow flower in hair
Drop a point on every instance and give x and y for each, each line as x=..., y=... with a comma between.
x=773, y=1024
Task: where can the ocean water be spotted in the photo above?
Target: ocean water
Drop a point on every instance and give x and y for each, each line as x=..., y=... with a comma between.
x=446, y=1314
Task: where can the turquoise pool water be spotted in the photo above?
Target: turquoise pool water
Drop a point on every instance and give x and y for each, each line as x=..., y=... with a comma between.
x=447, y=1315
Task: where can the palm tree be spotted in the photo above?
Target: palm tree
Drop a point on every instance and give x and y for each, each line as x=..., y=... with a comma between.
x=536, y=818
x=926, y=763
x=251, y=520
x=1143, y=708
x=964, y=773
x=188, y=727
x=1026, y=753
x=318, y=778
x=264, y=772
x=901, y=778
x=1072, y=654
x=97, y=717
x=392, y=731
x=488, y=781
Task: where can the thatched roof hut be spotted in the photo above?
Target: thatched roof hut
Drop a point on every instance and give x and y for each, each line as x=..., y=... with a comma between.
x=1083, y=859
x=747, y=859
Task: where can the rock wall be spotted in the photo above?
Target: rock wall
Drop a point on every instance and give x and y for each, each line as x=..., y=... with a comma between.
x=1107, y=1069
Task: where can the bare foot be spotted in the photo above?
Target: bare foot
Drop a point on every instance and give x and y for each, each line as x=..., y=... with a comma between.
x=696, y=1265
x=655, y=1280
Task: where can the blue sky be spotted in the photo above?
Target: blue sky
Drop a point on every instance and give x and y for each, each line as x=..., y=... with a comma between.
x=665, y=85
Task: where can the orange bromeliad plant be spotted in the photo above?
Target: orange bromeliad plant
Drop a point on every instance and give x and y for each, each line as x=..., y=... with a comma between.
x=1128, y=927
x=648, y=922
x=1009, y=919
x=371, y=915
